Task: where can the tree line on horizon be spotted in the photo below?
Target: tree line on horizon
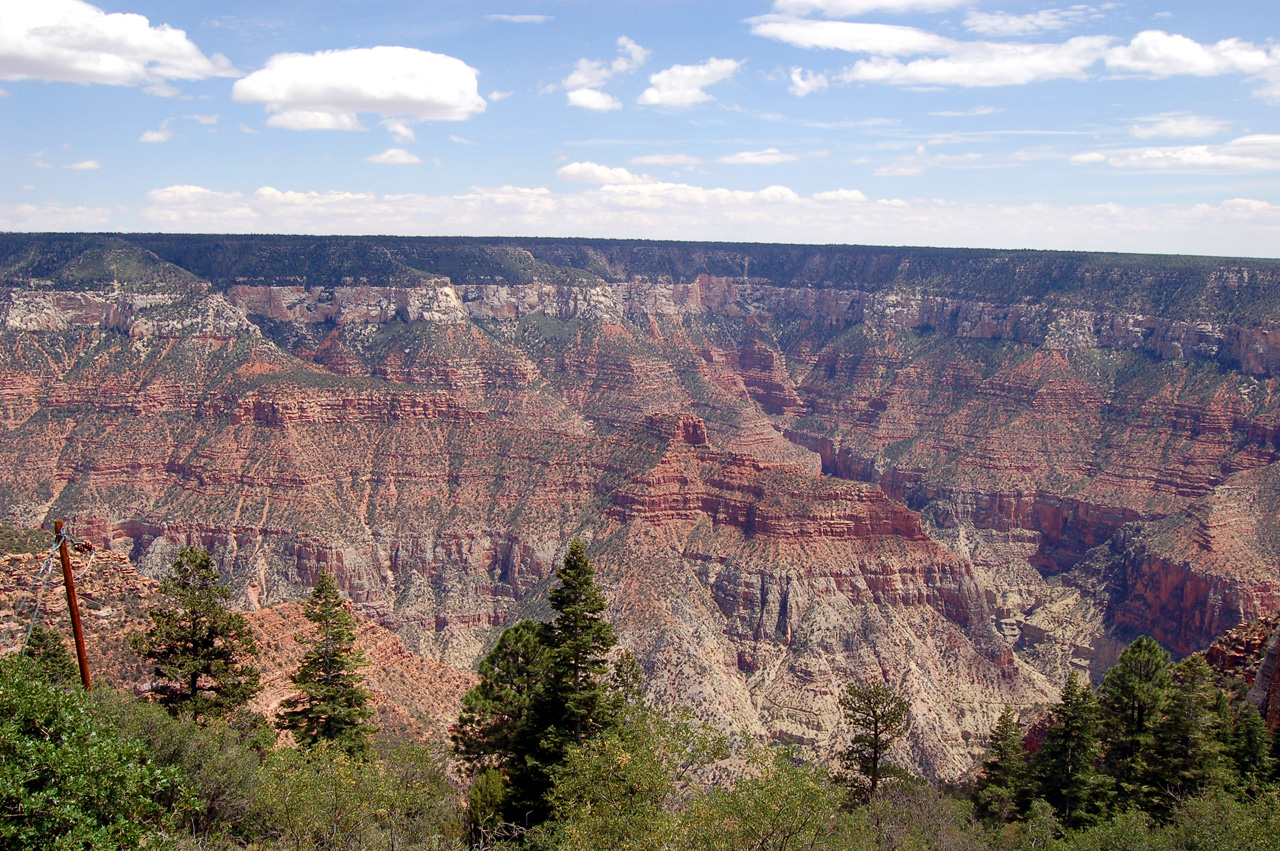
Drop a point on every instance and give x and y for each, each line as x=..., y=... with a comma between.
x=555, y=748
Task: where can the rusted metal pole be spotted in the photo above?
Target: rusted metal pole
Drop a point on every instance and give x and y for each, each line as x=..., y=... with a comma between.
x=73, y=605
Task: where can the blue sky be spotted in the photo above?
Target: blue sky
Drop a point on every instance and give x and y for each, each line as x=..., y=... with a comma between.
x=1112, y=126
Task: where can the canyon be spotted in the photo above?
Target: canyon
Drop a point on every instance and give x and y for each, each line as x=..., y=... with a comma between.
x=966, y=473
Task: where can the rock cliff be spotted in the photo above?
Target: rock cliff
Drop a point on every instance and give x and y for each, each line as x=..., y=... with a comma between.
x=965, y=473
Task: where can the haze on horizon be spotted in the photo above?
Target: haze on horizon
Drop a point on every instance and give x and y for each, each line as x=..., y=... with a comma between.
x=1135, y=126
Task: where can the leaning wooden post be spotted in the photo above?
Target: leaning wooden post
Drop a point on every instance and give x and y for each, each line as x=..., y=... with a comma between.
x=72, y=605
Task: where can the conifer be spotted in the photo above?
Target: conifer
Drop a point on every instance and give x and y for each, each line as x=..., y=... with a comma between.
x=1064, y=766
x=197, y=646
x=1002, y=790
x=333, y=704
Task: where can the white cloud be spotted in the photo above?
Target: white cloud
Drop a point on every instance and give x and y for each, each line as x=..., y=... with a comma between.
x=850, y=8
x=921, y=161
x=855, y=37
x=1178, y=124
x=497, y=95
x=593, y=99
x=84, y=165
x=1241, y=226
x=164, y=134
x=666, y=160
x=393, y=156
x=947, y=62
x=519, y=19
x=1161, y=54
x=400, y=131
x=328, y=90
x=1006, y=24
x=806, y=82
x=600, y=174
x=1246, y=154
x=72, y=41
x=245, y=128
x=52, y=216
x=840, y=196
x=3, y=93
x=769, y=156
x=203, y=119
x=973, y=64
x=460, y=140
x=589, y=75
x=682, y=85
x=968, y=113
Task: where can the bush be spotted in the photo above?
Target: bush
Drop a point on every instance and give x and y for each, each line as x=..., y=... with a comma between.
x=68, y=778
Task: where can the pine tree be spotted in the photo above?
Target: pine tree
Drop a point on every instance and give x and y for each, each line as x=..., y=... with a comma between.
x=1064, y=766
x=198, y=646
x=879, y=717
x=1189, y=757
x=542, y=690
x=1250, y=748
x=1001, y=792
x=1132, y=697
x=333, y=706
x=579, y=640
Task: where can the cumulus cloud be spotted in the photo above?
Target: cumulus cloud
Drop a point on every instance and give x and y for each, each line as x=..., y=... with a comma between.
x=203, y=119
x=807, y=82
x=769, y=156
x=1178, y=124
x=72, y=41
x=1246, y=154
x=587, y=172
x=1160, y=54
x=393, y=156
x=682, y=85
x=519, y=19
x=1241, y=226
x=849, y=8
x=84, y=165
x=840, y=196
x=665, y=160
x=328, y=90
x=164, y=134
x=593, y=99
x=590, y=75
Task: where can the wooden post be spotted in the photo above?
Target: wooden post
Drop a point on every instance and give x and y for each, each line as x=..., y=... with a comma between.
x=73, y=605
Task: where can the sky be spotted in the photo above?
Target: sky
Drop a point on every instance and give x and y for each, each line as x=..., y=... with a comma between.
x=1135, y=126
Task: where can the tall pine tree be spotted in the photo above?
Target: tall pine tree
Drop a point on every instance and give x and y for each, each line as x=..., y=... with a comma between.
x=1064, y=766
x=197, y=646
x=579, y=640
x=1002, y=790
x=878, y=716
x=1191, y=736
x=333, y=704
x=542, y=690
x=1132, y=698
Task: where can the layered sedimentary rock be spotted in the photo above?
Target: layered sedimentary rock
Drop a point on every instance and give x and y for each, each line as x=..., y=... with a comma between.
x=965, y=473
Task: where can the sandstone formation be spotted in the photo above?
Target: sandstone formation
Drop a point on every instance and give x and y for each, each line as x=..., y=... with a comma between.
x=965, y=473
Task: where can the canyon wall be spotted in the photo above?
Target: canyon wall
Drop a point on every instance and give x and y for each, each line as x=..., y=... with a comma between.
x=965, y=473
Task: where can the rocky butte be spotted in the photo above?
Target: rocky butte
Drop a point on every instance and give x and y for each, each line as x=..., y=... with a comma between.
x=962, y=472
